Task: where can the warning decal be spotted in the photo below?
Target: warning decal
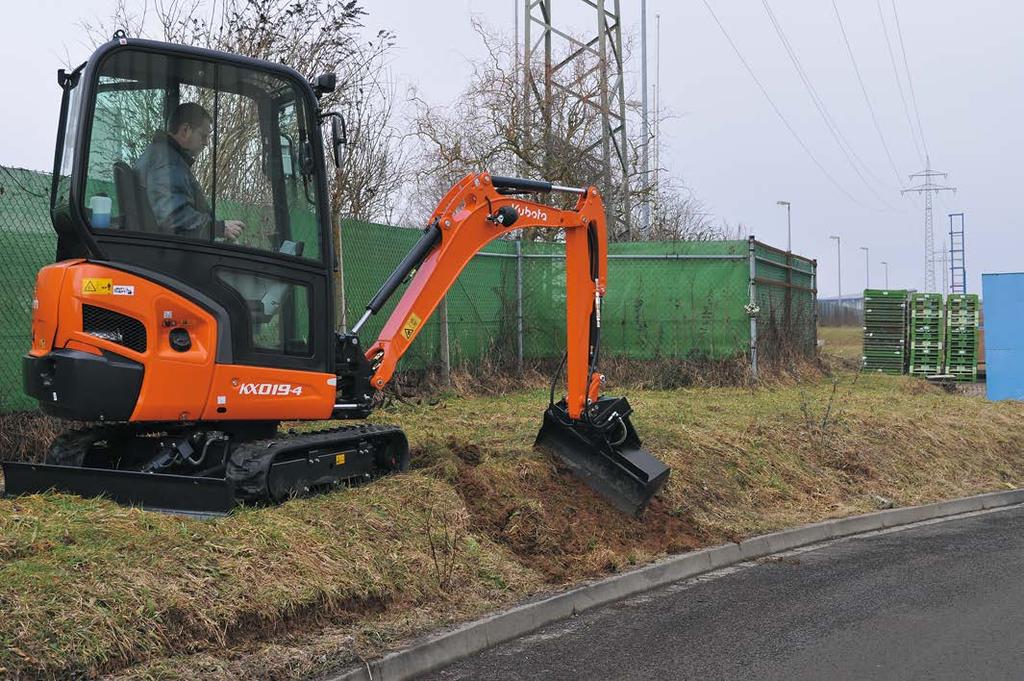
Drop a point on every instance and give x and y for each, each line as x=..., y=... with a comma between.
x=97, y=287
x=410, y=326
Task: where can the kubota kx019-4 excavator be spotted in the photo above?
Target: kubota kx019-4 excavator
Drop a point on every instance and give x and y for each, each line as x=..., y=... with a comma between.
x=187, y=343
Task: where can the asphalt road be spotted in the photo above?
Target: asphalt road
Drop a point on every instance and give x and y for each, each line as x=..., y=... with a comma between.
x=943, y=600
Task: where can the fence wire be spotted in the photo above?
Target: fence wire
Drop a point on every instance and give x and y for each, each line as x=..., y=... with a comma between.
x=666, y=300
x=27, y=242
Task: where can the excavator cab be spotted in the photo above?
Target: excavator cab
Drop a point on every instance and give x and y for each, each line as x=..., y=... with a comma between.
x=133, y=194
x=190, y=307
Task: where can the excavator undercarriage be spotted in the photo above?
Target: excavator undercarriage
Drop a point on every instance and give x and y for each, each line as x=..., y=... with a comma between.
x=209, y=469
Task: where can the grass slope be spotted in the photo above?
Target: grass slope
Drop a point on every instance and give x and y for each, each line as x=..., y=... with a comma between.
x=89, y=588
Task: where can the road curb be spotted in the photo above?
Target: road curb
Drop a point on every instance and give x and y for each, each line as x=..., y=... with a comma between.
x=442, y=649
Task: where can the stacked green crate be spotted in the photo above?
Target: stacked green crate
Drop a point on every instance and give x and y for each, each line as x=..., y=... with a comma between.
x=885, y=330
x=962, y=316
x=927, y=329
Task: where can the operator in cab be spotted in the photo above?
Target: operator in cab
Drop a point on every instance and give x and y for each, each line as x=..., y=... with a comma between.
x=165, y=171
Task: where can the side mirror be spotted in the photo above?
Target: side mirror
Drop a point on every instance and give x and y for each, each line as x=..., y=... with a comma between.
x=339, y=136
x=324, y=84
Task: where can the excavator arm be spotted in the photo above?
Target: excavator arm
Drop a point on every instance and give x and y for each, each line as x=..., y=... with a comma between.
x=593, y=435
x=473, y=214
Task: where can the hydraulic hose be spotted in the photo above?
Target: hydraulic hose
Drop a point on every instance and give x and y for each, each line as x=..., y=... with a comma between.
x=413, y=259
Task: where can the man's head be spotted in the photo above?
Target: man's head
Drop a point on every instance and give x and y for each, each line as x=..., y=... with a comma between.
x=190, y=126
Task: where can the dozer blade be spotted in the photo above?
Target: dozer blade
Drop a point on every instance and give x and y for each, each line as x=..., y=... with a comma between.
x=177, y=494
x=607, y=456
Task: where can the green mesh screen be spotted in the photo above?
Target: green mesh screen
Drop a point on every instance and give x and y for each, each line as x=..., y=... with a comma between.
x=27, y=242
x=786, y=293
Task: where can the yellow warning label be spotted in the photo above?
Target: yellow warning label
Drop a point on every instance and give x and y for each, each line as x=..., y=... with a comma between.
x=97, y=287
x=339, y=459
x=411, y=324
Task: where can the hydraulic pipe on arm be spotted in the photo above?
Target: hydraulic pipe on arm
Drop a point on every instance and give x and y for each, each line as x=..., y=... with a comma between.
x=592, y=434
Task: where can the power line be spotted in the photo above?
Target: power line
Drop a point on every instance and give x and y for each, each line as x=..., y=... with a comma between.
x=778, y=112
x=910, y=81
x=819, y=104
x=899, y=84
x=864, y=90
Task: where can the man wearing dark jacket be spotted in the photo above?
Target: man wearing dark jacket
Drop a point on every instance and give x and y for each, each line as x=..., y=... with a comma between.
x=174, y=193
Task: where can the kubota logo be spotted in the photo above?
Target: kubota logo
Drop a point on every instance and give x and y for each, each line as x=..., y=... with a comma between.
x=269, y=389
x=533, y=213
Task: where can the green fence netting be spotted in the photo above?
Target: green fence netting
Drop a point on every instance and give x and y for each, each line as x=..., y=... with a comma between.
x=687, y=300
x=27, y=242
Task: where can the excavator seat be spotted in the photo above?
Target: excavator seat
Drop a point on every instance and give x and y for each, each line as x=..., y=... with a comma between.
x=136, y=213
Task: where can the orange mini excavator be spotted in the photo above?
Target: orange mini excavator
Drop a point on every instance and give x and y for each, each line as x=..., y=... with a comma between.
x=190, y=309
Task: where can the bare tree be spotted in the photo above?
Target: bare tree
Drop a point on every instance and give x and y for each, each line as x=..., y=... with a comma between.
x=677, y=215
x=485, y=129
x=313, y=37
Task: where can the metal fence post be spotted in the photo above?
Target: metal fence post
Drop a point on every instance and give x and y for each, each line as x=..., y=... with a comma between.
x=519, y=304
x=814, y=305
x=752, y=307
x=339, y=277
x=446, y=359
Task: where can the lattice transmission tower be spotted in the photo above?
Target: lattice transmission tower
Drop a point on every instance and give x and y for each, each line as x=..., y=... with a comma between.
x=546, y=70
x=929, y=187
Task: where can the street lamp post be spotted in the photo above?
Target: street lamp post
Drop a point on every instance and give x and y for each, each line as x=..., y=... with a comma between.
x=789, y=263
x=839, y=265
x=886, y=266
x=867, y=267
x=789, y=225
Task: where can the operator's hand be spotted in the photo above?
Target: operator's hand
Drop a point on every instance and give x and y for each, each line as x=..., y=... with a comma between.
x=233, y=229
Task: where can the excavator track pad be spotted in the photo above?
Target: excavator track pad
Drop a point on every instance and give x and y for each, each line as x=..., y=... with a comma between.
x=270, y=470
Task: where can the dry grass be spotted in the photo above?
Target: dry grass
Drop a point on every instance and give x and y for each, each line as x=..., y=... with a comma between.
x=482, y=521
x=844, y=342
x=25, y=436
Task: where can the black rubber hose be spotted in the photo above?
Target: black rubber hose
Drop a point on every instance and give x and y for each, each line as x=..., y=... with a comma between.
x=554, y=381
x=431, y=237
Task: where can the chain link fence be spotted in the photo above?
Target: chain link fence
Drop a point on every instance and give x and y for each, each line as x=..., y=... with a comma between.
x=696, y=301
x=27, y=242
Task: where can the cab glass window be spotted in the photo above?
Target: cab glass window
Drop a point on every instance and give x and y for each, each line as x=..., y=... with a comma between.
x=277, y=311
x=201, y=151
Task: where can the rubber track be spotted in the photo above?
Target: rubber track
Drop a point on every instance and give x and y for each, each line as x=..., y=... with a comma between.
x=70, y=449
x=249, y=463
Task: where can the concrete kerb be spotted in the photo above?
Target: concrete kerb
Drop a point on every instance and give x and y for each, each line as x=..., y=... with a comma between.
x=443, y=649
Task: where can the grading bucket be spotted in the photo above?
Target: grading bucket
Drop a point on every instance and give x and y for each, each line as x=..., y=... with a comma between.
x=604, y=451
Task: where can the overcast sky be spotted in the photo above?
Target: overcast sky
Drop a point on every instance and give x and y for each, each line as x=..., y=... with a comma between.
x=724, y=140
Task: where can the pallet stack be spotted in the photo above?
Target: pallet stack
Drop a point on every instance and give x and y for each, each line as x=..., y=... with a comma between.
x=927, y=330
x=962, y=315
x=885, y=331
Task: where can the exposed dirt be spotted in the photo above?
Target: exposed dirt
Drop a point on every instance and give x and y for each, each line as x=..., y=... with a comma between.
x=556, y=525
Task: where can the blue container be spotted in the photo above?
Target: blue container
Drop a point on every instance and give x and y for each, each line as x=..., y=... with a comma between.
x=1003, y=297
